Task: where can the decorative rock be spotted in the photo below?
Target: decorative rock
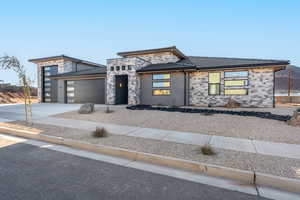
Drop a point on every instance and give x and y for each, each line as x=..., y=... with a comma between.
x=86, y=108
x=232, y=104
x=295, y=120
x=264, y=115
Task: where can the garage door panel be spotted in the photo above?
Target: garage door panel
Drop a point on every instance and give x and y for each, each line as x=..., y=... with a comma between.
x=86, y=91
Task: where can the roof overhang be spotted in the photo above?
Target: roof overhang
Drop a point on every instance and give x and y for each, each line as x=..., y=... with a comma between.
x=45, y=59
x=171, y=49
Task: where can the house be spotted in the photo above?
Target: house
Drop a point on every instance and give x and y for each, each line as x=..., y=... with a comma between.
x=163, y=76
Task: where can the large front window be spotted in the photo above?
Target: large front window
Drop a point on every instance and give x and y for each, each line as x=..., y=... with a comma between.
x=214, y=82
x=235, y=83
x=161, y=84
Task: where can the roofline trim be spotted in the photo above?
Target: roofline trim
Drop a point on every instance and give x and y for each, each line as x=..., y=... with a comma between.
x=172, y=49
x=36, y=60
x=217, y=67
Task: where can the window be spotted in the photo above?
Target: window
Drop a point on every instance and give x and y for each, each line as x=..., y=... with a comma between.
x=129, y=67
x=123, y=67
x=161, y=76
x=117, y=68
x=161, y=84
x=214, y=81
x=111, y=68
x=236, y=83
x=236, y=91
x=47, y=68
x=236, y=74
x=214, y=89
x=161, y=92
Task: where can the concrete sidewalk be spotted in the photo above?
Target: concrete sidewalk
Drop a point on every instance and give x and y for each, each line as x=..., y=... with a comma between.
x=230, y=143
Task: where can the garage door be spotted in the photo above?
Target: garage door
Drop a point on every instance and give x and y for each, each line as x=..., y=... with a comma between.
x=86, y=91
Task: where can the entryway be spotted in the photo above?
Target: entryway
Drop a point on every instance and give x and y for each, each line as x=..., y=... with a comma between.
x=121, y=89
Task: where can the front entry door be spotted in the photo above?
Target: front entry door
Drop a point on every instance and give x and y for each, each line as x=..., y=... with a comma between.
x=121, y=89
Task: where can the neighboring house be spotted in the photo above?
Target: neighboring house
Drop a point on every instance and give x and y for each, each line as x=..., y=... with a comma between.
x=163, y=76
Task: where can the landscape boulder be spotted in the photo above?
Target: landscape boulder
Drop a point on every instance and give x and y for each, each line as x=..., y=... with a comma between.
x=295, y=120
x=232, y=104
x=86, y=108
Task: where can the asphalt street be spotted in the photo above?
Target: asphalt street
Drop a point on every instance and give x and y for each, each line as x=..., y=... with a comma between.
x=34, y=173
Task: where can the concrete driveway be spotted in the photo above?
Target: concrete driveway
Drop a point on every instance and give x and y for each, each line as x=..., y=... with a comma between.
x=12, y=112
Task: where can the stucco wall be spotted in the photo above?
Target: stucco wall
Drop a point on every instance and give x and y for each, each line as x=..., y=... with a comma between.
x=260, y=90
x=177, y=91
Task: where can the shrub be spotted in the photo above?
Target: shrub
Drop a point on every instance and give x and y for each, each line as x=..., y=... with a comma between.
x=100, y=132
x=207, y=150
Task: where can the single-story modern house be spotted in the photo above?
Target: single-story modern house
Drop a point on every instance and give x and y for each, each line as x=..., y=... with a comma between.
x=163, y=76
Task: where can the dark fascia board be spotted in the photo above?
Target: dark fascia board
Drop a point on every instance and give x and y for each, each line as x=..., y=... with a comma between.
x=245, y=65
x=168, y=69
x=172, y=49
x=36, y=60
x=279, y=64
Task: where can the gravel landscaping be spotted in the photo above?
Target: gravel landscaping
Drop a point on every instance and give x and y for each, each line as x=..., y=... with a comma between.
x=217, y=124
x=234, y=159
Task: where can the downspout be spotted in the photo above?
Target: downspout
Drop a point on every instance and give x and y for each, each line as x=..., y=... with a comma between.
x=186, y=88
x=273, y=88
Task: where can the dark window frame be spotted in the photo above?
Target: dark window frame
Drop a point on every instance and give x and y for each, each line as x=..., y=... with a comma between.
x=209, y=84
x=162, y=80
x=161, y=94
x=236, y=76
x=247, y=93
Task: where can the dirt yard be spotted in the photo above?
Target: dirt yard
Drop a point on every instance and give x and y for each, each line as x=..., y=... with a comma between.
x=218, y=124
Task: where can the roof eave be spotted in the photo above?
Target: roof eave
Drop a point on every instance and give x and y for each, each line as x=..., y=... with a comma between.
x=279, y=64
x=172, y=49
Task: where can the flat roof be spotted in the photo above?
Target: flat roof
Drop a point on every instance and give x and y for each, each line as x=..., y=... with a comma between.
x=211, y=63
x=37, y=60
x=172, y=49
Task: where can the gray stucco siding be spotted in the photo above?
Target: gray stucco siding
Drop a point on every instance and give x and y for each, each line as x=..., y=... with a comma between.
x=61, y=91
x=177, y=90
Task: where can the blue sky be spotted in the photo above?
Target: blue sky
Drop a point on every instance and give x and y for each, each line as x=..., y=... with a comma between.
x=95, y=30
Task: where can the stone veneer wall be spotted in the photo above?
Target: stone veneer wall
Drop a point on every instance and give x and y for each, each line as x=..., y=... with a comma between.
x=63, y=67
x=155, y=58
x=136, y=62
x=260, y=90
x=133, y=79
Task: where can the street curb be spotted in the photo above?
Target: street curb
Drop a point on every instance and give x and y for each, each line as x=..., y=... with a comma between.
x=249, y=177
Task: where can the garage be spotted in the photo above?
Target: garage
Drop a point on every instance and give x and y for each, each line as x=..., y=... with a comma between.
x=85, y=91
